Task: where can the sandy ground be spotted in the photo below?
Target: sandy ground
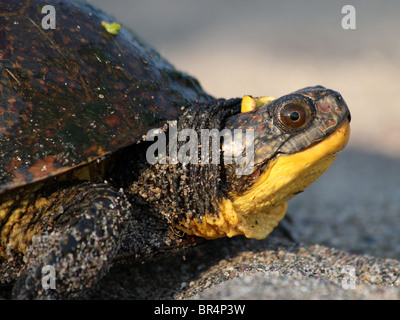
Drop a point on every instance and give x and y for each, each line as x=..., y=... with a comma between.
x=350, y=215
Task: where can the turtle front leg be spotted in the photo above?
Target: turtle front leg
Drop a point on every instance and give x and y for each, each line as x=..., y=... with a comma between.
x=77, y=247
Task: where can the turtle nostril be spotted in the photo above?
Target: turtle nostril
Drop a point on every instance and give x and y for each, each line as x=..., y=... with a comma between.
x=349, y=117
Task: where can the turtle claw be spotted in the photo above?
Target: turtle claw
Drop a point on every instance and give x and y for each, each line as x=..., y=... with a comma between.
x=69, y=260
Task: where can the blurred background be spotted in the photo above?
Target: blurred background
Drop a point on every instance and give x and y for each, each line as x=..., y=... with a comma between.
x=259, y=47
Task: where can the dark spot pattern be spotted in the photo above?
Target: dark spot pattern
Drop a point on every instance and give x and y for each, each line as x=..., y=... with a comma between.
x=73, y=94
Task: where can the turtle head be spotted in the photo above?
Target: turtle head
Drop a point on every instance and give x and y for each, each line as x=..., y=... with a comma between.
x=293, y=141
x=285, y=125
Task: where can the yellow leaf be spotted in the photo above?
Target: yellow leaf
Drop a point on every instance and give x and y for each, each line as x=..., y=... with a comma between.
x=112, y=28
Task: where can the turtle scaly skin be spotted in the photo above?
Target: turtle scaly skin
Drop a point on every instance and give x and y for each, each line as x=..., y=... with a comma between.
x=77, y=192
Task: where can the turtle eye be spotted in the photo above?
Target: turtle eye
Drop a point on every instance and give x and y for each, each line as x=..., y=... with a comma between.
x=295, y=115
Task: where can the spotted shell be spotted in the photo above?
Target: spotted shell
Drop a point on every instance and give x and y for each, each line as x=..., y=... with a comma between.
x=73, y=94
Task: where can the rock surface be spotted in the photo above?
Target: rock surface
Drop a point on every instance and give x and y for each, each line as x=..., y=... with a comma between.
x=345, y=246
x=349, y=217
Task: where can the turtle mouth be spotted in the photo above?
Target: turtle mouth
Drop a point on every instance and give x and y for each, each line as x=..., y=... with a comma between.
x=256, y=211
x=343, y=123
x=342, y=133
x=305, y=166
x=331, y=145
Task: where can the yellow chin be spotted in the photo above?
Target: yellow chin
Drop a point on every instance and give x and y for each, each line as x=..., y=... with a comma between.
x=258, y=211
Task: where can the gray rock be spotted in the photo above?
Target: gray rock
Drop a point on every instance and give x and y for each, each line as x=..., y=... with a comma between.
x=344, y=228
x=266, y=285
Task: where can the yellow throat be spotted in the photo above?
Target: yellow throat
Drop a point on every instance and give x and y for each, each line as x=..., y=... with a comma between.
x=257, y=211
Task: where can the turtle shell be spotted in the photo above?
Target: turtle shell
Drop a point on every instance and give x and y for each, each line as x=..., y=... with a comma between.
x=73, y=94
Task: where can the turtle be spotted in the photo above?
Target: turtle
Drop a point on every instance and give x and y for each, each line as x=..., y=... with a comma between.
x=107, y=151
